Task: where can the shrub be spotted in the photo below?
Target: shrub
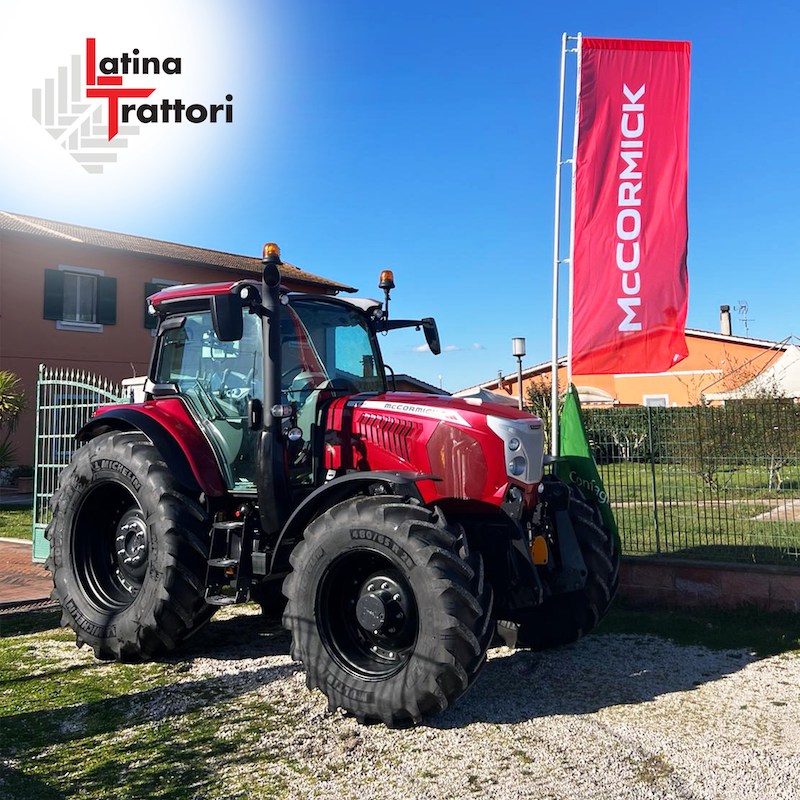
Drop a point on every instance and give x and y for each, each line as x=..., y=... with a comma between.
x=12, y=402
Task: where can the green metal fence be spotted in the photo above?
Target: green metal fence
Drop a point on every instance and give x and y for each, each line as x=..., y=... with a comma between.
x=65, y=400
x=710, y=483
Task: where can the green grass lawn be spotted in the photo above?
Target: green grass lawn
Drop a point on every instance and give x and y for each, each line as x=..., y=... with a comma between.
x=73, y=726
x=690, y=519
x=730, y=532
x=677, y=483
x=16, y=522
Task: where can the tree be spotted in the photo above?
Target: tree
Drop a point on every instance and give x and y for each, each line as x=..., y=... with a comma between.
x=538, y=403
x=12, y=403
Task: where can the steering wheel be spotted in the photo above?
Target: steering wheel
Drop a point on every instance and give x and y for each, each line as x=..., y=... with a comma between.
x=230, y=384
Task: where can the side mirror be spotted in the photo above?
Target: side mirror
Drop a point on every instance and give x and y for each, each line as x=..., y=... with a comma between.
x=227, y=318
x=432, y=335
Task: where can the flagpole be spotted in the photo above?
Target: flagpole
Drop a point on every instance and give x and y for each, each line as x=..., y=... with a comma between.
x=572, y=208
x=556, y=258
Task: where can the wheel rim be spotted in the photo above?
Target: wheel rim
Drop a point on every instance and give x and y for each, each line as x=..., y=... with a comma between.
x=110, y=546
x=367, y=615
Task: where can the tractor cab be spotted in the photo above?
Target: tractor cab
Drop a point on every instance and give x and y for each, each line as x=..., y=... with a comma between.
x=328, y=349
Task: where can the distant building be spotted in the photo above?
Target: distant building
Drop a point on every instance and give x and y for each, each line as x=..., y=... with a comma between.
x=408, y=383
x=717, y=363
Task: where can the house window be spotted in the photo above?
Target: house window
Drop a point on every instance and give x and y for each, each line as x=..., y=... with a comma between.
x=78, y=298
x=656, y=400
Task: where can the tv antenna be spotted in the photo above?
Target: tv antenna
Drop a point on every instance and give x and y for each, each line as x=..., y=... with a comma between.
x=742, y=308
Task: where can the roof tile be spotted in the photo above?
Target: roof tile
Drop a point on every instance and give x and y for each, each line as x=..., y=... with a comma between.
x=156, y=248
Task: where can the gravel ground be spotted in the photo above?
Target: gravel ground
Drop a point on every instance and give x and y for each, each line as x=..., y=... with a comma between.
x=613, y=716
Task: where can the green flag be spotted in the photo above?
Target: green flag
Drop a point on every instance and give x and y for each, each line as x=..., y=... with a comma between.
x=576, y=463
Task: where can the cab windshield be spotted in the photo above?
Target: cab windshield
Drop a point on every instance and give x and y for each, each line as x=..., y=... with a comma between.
x=328, y=345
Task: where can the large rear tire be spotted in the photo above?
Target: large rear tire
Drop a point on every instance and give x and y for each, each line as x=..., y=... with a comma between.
x=128, y=550
x=389, y=614
x=564, y=618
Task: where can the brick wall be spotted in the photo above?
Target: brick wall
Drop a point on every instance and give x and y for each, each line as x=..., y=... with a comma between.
x=665, y=583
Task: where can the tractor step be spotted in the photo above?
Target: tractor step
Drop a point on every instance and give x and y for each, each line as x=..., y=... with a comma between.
x=220, y=600
x=222, y=562
x=229, y=563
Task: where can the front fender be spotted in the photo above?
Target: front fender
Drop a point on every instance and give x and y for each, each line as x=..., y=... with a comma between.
x=403, y=483
x=173, y=432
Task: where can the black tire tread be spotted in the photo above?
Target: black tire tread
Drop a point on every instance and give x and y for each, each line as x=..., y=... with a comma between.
x=166, y=611
x=462, y=601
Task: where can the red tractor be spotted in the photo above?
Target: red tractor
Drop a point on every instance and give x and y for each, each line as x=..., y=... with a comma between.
x=269, y=462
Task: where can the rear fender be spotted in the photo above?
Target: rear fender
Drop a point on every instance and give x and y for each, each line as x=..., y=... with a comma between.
x=335, y=491
x=173, y=433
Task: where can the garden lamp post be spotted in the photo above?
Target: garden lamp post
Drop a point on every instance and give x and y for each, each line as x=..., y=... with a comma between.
x=518, y=350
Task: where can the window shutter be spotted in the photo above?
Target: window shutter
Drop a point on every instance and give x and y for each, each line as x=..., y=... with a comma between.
x=106, y=301
x=53, y=294
x=150, y=320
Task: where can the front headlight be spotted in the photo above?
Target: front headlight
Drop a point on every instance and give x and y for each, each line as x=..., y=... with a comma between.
x=517, y=466
x=523, y=444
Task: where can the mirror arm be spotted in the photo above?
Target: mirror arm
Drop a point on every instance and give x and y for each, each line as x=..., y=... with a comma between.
x=395, y=324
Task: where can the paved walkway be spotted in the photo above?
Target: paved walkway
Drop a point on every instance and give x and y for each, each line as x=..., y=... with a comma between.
x=21, y=581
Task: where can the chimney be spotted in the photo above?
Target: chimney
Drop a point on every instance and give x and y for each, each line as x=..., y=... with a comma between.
x=725, y=320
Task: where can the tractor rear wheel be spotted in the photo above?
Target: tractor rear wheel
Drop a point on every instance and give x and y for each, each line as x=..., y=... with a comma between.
x=388, y=612
x=128, y=550
x=564, y=618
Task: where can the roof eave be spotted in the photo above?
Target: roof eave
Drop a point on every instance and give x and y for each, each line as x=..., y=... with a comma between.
x=323, y=285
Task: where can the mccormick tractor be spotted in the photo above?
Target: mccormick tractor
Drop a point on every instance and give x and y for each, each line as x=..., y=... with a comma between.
x=396, y=532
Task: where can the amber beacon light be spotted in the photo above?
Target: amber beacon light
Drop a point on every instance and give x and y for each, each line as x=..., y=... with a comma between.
x=386, y=282
x=271, y=250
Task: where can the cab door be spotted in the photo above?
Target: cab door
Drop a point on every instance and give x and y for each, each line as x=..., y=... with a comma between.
x=217, y=380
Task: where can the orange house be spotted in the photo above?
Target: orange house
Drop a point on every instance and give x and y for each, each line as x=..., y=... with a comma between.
x=72, y=296
x=717, y=362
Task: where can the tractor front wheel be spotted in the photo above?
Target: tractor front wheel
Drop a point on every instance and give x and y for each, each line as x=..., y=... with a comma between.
x=388, y=612
x=128, y=550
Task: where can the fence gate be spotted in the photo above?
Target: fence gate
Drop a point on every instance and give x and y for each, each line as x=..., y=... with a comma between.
x=65, y=400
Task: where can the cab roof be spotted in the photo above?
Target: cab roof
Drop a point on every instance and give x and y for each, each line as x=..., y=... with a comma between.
x=204, y=291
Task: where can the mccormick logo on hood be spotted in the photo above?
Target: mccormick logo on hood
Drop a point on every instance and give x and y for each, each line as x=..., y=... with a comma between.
x=95, y=103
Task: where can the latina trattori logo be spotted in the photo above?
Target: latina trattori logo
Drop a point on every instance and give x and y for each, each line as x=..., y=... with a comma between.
x=97, y=102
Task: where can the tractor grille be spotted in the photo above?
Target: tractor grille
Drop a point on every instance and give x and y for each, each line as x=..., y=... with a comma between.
x=388, y=433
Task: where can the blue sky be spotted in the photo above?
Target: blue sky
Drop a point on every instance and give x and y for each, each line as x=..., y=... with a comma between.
x=418, y=136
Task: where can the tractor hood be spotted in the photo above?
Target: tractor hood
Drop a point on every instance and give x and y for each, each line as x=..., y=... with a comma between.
x=458, y=410
x=476, y=449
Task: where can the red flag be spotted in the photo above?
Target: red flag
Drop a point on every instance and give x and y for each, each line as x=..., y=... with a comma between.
x=630, y=286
